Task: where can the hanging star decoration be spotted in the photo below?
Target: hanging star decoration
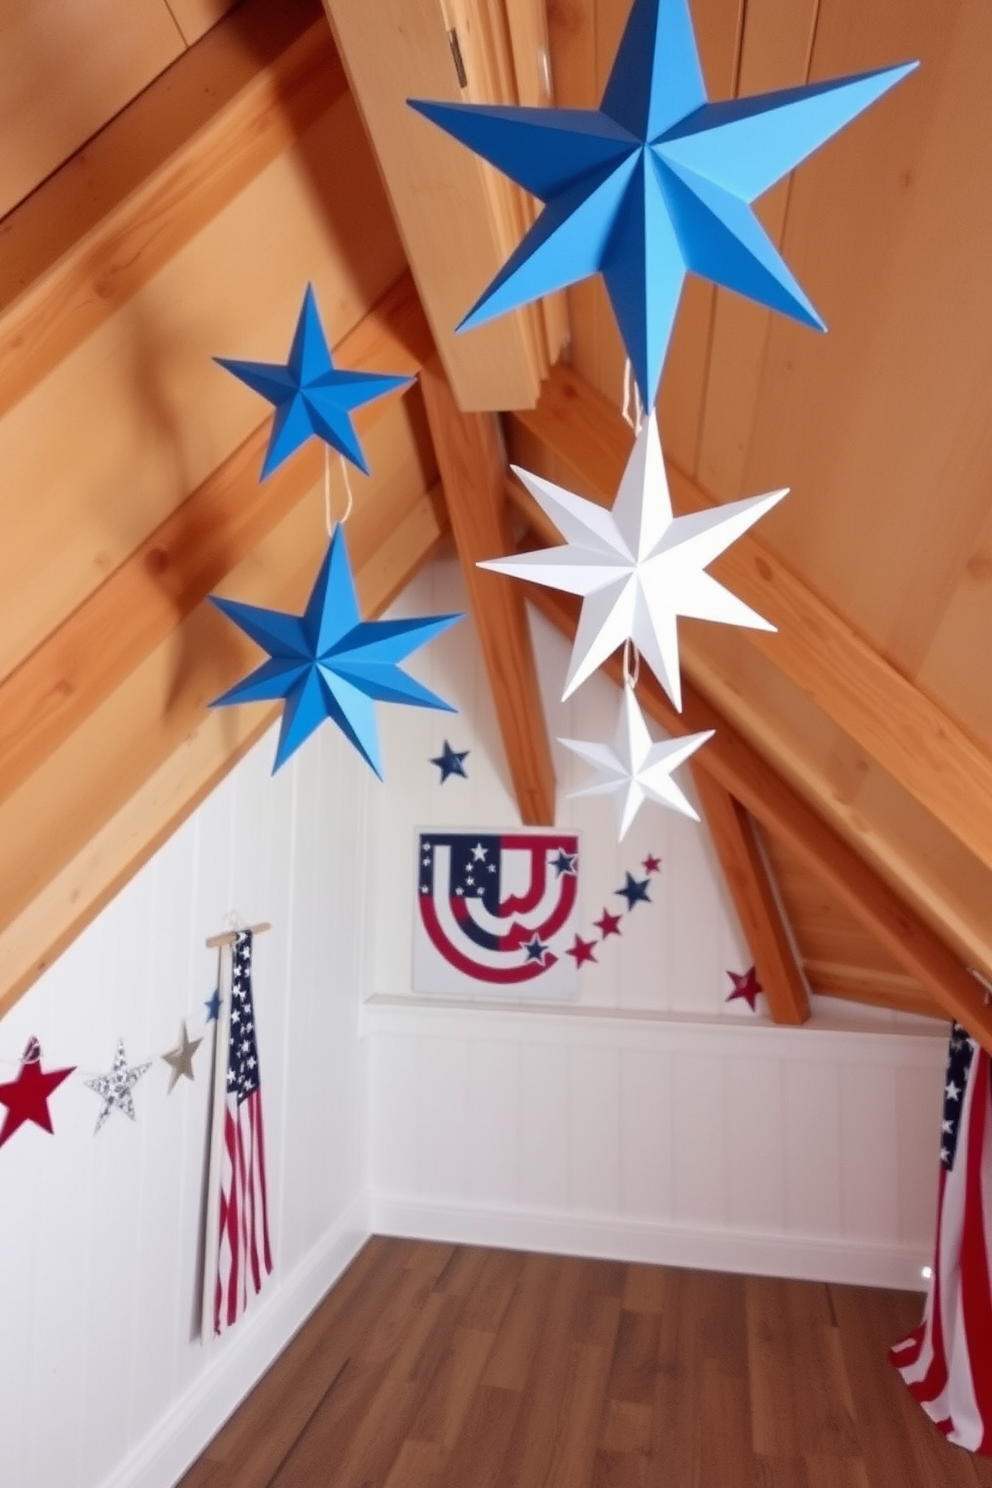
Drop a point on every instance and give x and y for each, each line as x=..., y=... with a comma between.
x=635, y=769
x=746, y=987
x=655, y=183
x=451, y=762
x=26, y=1097
x=213, y=1005
x=312, y=397
x=115, y=1087
x=637, y=567
x=329, y=663
x=634, y=890
x=180, y=1059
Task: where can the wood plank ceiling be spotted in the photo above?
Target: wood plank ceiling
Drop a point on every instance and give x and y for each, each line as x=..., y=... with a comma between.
x=849, y=790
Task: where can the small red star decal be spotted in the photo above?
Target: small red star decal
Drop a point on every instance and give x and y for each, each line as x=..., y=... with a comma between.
x=651, y=864
x=608, y=924
x=582, y=950
x=746, y=987
x=26, y=1098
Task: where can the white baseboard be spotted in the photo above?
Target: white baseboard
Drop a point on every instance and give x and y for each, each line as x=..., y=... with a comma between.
x=235, y=1362
x=604, y=1237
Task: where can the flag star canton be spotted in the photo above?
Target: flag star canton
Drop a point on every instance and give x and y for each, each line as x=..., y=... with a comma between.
x=242, y=1070
x=961, y=1051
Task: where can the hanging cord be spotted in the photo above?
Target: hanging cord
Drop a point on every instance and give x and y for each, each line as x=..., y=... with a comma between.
x=635, y=420
x=631, y=664
x=329, y=522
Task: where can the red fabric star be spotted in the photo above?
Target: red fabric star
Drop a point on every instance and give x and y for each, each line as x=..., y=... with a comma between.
x=651, y=864
x=26, y=1098
x=608, y=924
x=582, y=950
x=746, y=986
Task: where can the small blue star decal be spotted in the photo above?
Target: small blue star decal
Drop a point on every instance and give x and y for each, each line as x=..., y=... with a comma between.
x=654, y=183
x=311, y=395
x=212, y=1006
x=565, y=862
x=330, y=663
x=536, y=950
x=635, y=891
x=451, y=762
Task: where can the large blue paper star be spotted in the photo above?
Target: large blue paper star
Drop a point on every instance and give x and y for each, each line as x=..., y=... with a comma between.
x=656, y=182
x=311, y=395
x=330, y=663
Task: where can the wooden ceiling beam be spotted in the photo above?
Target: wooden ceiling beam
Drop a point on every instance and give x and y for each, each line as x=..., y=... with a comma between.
x=731, y=761
x=457, y=218
x=98, y=229
x=910, y=737
x=749, y=882
x=473, y=473
x=64, y=679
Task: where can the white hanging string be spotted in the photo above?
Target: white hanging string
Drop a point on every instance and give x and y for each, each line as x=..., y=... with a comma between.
x=631, y=664
x=328, y=519
x=635, y=419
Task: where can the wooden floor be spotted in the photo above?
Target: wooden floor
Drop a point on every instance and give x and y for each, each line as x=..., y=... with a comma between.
x=438, y=1366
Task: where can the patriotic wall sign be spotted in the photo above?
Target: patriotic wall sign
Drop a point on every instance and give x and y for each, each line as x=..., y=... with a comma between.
x=496, y=912
x=947, y=1360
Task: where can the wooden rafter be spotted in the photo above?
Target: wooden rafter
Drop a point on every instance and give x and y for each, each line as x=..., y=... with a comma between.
x=741, y=771
x=752, y=891
x=81, y=246
x=457, y=221
x=473, y=473
x=918, y=744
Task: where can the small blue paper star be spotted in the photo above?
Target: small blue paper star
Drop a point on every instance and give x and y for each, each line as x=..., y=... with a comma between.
x=656, y=182
x=330, y=663
x=212, y=1006
x=565, y=863
x=635, y=891
x=451, y=762
x=311, y=395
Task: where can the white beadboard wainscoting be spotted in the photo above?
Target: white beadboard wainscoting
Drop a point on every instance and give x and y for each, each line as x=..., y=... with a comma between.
x=103, y=1381
x=795, y=1152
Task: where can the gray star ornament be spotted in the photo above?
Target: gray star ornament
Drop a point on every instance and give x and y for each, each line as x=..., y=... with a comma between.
x=115, y=1087
x=180, y=1059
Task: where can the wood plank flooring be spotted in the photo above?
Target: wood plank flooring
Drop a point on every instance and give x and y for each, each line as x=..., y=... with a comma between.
x=444, y=1366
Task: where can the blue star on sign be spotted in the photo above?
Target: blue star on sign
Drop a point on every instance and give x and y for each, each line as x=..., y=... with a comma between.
x=311, y=395
x=330, y=663
x=564, y=862
x=536, y=949
x=654, y=183
x=635, y=891
x=451, y=762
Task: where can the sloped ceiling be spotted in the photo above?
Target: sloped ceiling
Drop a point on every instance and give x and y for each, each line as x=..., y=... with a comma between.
x=851, y=797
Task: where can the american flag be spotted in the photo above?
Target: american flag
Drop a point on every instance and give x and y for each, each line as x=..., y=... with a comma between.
x=947, y=1361
x=243, y=1251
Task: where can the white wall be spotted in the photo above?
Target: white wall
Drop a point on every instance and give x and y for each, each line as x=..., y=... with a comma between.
x=652, y=1119
x=102, y=1380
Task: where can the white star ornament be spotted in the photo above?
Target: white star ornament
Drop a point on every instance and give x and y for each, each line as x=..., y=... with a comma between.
x=637, y=567
x=635, y=769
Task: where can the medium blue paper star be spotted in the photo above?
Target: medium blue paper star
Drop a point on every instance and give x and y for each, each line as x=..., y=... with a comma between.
x=311, y=395
x=635, y=891
x=330, y=663
x=451, y=762
x=212, y=1006
x=656, y=182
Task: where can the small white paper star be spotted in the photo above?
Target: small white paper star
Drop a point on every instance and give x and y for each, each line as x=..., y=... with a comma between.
x=637, y=567
x=635, y=769
x=114, y=1088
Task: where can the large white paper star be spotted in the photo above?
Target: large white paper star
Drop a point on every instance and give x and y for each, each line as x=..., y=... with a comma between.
x=636, y=769
x=638, y=567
